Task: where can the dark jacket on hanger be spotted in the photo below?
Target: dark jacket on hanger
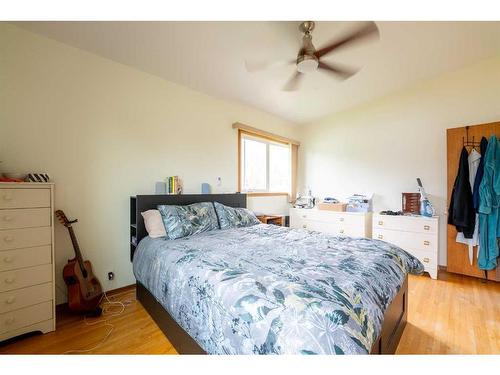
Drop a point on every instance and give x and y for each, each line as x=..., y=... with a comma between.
x=461, y=213
x=479, y=175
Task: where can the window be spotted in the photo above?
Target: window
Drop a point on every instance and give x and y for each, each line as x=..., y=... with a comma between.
x=265, y=165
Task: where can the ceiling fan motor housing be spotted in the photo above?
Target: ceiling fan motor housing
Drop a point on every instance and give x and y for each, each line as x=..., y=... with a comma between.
x=306, y=60
x=307, y=63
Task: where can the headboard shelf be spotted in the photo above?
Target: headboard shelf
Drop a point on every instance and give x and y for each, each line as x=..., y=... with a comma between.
x=141, y=203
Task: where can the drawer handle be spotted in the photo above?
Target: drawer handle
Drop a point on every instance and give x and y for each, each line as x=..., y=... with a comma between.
x=426, y=227
x=10, y=320
x=426, y=260
x=9, y=280
x=304, y=226
x=7, y=197
x=427, y=243
x=380, y=236
x=341, y=218
x=10, y=300
x=7, y=218
x=8, y=238
x=341, y=231
x=304, y=216
x=7, y=259
x=380, y=222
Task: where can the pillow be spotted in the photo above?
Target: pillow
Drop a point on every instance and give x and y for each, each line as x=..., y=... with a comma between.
x=182, y=221
x=230, y=217
x=154, y=223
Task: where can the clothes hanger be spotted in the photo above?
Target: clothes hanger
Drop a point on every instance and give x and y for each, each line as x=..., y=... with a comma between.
x=467, y=143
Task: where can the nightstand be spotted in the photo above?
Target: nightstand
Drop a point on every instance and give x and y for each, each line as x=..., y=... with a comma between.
x=271, y=219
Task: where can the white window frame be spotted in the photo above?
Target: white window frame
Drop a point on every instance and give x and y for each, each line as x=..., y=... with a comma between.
x=267, y=142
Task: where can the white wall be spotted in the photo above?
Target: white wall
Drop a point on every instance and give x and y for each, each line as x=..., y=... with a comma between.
x=104, y=131
x=384, y=145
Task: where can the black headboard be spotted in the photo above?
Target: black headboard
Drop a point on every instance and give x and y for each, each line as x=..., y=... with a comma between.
x=141, y=203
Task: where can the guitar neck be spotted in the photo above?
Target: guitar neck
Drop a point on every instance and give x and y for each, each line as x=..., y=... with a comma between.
x=76, y=247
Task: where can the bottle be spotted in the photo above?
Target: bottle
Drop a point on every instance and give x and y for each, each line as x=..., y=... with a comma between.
x=426, y=208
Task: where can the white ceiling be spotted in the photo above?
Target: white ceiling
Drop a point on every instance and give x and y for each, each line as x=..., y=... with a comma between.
x=210, y=57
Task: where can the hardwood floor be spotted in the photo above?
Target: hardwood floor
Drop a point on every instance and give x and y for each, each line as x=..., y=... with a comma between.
x=134, y=332
x=455, y=314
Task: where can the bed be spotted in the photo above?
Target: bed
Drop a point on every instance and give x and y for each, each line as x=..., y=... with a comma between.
x=266, y=289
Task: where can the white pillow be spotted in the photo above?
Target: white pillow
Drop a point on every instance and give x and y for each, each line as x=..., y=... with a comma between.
x=154, y=223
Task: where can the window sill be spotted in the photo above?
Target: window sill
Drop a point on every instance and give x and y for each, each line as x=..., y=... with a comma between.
x=264, y=194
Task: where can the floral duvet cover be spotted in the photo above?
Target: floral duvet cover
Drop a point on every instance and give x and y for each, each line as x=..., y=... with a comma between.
x=266, y=289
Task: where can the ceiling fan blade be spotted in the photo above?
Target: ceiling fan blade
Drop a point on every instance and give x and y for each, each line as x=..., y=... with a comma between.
x=369, y=29
x=340, y=72
x=255, y=66
x=293, y=82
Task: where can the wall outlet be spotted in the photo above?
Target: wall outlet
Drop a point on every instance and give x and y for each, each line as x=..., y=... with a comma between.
x=219, y=181
x=111, y=276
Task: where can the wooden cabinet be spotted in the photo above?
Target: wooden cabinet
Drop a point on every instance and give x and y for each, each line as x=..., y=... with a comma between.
x=27, y=286
x=417, y=235
x=354, y=224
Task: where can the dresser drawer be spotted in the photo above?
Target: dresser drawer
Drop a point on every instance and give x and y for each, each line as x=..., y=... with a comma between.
x=428, y=260
x=20, y=298
x=305, y=214
x=28, y=237
x=350, y=220
x=331, y=228
x=319, y=226
x=408, y=240
x=407, y=224
x=24, y=218
x=25, y=277
x=351, y=230
x=23, y=258
x=24, y=317
x=24, y=198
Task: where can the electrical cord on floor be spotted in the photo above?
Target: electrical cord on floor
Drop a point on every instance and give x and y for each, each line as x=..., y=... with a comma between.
x=106, y=308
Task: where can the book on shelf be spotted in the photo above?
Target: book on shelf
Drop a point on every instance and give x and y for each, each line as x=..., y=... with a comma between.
x=174, y=185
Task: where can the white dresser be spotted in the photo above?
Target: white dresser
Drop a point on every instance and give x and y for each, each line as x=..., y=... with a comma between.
x=26, y=259
x=417, y=235
x=354, y=224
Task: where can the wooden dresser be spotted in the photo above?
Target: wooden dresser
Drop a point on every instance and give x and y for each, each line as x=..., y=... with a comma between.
x=354, y=224
x=418, y=235
x=27, y=286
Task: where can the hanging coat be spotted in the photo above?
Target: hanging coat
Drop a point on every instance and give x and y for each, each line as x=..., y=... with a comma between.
x=461, y=213
x=477, y=182
x=474, y=160
x=479, y=175
x=489, y=201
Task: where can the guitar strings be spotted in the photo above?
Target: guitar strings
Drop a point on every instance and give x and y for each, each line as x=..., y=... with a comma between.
x=106, y=307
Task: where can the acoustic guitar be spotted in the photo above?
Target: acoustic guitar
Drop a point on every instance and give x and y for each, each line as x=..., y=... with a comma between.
x=84, y=289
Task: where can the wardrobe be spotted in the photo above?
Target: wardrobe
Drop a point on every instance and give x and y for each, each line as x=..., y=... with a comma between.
x=458, y=254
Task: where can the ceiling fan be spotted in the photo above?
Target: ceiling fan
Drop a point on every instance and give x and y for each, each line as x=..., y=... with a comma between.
x=309, y=59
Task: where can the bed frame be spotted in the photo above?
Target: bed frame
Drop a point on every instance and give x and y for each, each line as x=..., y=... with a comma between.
x=394, y=319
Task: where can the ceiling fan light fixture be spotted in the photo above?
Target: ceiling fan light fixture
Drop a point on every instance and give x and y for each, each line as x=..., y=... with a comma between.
x=307, y=64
